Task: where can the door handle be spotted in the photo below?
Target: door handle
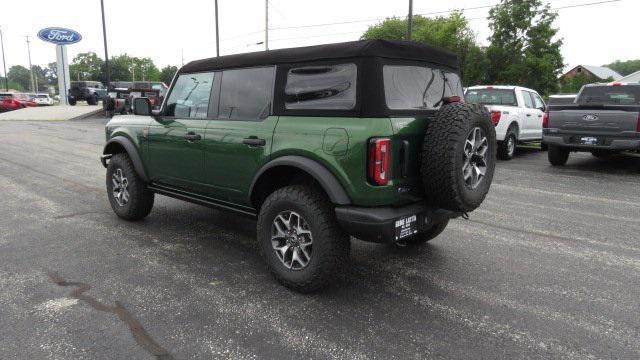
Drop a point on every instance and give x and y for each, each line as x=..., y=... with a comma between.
x=528, y=114
x=191, y=137
x=253, y=141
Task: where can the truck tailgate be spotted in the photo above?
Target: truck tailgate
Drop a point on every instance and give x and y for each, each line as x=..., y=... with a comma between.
x=594, y=120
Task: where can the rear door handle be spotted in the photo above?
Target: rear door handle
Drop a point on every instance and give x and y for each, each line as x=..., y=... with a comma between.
x=254, y=141
x=191, y=137
x=528, y=114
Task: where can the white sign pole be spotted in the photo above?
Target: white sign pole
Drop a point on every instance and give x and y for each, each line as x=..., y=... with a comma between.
x=63, y=74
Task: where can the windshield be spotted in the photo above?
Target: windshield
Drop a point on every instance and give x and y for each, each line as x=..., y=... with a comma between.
x=418, y=87
x=492, y=97
x=610, y=95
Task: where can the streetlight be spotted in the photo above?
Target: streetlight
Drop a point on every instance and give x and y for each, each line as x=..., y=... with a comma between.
x=4, y=64
x=106, y=53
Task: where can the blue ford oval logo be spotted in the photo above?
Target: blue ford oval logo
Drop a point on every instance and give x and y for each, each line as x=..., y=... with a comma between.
x=590, y=117
x=59, y=36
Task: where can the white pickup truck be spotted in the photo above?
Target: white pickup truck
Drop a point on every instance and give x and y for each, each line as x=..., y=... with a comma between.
x=516, y=112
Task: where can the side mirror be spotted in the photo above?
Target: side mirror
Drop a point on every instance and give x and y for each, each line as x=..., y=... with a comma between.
x=142, y=106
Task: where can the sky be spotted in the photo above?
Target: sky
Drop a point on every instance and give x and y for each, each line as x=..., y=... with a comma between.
x=171, y=32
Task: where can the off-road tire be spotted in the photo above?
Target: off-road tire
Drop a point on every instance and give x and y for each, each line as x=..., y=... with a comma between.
x=504, y=151
x=330, y=248
x=423, y=238
x=72, y=101
x=92, y=100
x=140, y=200
x=443, y=157
x=558, y=155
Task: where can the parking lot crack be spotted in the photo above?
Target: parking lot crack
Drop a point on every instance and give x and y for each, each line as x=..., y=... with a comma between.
x=139, y=333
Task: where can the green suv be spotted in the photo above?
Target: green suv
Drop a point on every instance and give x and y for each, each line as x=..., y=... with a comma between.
x=369, y=139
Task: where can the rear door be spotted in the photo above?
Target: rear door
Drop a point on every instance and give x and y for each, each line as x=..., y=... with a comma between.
x=539, y=109
x=529, y=117
x=175, y=140
x=239, y=137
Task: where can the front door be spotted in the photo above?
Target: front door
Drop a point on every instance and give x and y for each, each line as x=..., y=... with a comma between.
x=238, y=139
x=176, y=156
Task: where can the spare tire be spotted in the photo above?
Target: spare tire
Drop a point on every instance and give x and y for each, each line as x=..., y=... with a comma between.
x=108, y=103
x=458, y=157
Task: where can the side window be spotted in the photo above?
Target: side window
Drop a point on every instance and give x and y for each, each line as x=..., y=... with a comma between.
x=527, y=99
x=189, y=98
x=537, y=100
x=453, y=85
x=323, y=87
x=246, y=93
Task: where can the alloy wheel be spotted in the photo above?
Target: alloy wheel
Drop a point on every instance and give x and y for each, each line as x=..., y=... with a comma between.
x=476, y=148
x=120, y=189
x=292, y=240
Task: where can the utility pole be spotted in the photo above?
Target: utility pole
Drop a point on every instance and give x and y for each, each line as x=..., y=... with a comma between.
x=106, y=53
x=410, y=20
x=217, y=36
x=266, y=24
x=4, y=64
x=34, y=81
x=182, y=55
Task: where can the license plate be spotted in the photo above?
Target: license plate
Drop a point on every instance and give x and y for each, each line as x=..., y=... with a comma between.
x=588, y=140
x=406, y=226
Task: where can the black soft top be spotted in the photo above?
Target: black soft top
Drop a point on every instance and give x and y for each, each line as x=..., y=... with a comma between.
x=389, y=49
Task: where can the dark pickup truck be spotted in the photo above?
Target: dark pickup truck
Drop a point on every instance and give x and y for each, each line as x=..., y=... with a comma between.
x=604, y=120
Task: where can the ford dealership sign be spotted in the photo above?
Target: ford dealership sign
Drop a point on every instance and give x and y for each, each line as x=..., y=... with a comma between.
x=59, y=36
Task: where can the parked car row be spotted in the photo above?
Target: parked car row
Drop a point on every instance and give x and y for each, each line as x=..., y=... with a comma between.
x=14, y=101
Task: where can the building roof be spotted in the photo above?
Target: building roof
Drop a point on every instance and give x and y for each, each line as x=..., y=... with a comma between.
x=631, y=78
x=601, y=72
x=391, y=49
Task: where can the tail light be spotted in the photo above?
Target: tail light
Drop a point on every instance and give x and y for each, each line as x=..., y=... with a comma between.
x=495, y=117
x=379, y=156
x=545, y=120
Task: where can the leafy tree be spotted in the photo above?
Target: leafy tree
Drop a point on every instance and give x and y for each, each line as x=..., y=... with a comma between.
x=523, y=49
x=625, y=67
x=86, y=66
x=451, y=32
x=39, y=75
x=128, y=68
x=20, y=76
x=167, y=73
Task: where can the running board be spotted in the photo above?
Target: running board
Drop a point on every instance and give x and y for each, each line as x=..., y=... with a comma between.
x=200, y=200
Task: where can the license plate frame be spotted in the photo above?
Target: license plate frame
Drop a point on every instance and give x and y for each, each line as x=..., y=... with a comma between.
x=589, y=140
x=406, y=226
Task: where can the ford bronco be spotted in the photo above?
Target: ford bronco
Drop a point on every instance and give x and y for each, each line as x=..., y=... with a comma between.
x=370, y=139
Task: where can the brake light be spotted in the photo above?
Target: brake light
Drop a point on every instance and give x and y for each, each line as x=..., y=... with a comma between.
x=545, y=120
x=616, y=84
x=495, y=117
x=379, y=156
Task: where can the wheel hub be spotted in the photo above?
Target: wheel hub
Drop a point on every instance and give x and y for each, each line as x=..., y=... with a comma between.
x=292, y=240
x=474, y=165
x=120, y=190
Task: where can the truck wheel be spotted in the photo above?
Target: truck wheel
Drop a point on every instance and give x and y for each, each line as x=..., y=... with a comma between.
x=72, y=101
x=92, y=100
x=558, y=155
x=108, y=103
x=458, y=157
x=128, y=195
x=299, y=238
x=507, y=147
x=424, y=237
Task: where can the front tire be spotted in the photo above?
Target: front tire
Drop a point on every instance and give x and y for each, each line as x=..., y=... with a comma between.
x=507, y=147
x=558, y=155
x=300, y=239
x=128, y=195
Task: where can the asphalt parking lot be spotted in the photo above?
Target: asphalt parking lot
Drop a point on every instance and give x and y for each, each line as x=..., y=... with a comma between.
x=548, y=267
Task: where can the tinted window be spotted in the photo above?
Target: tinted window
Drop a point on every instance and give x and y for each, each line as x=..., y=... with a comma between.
x=492, y=97
x=330, y=87
x=190, y=96
x=528, y=102
x=246, y=93
x=610, y=95
x=418, y=87
x=561, y=100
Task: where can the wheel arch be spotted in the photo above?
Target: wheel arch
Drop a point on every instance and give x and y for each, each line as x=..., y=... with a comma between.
x=516, y=126
x=290, y=169
x=122, y=144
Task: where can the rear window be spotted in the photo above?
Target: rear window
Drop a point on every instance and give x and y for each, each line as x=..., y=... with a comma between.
x=492, y=97
x=418, y=87
x=561, y=100
x=609, y=95
x=325, y=87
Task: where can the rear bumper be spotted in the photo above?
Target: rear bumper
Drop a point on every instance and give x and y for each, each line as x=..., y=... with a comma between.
x=623, y=141
x=378, y=224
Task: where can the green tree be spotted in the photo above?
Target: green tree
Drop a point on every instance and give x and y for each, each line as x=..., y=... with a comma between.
x=86, y=66
x=167, y=73
x=625, y=67
x=523, y=48
x=571, y=85
x=20, y=76
x=128, y=68
x=451, y=32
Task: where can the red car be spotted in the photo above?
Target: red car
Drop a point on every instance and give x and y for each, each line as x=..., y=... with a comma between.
x=14, y=101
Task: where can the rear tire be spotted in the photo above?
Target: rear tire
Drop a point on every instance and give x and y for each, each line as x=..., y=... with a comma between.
x=424, y=237
x=300, y=222
x=458, y=157
x=507, y=147
x=128, y=195
x=544, y=147
x=92, y=100
x=558, y=155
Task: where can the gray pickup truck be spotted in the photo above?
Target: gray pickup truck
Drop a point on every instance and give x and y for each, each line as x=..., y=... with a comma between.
x=604, y=119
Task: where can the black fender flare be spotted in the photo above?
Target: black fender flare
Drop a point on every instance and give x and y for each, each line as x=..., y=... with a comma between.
x=132, y=151
x=319, y=172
